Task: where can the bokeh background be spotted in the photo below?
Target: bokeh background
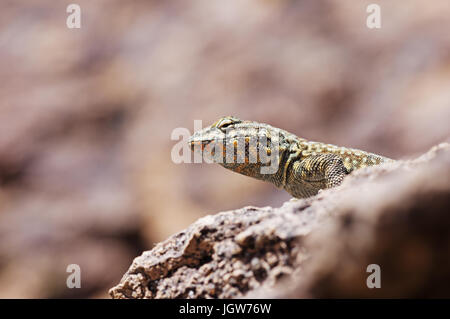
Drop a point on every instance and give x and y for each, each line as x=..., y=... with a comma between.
x=86, y=114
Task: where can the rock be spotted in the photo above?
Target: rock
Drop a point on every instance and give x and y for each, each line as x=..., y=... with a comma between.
x=395, y=215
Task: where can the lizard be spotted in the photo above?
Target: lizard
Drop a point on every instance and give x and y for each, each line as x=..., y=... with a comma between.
x=302, y=167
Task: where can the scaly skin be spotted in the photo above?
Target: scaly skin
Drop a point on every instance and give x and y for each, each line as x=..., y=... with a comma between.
x=301, y=167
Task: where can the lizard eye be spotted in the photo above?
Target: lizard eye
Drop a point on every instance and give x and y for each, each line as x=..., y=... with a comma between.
x=226, y=122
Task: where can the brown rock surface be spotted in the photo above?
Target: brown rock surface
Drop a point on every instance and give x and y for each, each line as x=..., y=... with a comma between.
x=395, y=215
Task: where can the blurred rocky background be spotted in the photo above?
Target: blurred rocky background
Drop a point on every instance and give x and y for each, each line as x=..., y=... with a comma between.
x=86, y=115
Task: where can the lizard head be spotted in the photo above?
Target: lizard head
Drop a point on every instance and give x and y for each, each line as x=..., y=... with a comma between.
x=213, y=133
x=237, y=145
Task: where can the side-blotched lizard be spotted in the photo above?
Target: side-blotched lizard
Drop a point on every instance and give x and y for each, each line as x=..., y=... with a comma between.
x=302, y=167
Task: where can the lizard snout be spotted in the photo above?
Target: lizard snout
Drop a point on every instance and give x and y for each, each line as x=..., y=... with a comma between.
x=197, y=142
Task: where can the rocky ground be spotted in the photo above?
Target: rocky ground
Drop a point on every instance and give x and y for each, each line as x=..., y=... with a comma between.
x=396, y=216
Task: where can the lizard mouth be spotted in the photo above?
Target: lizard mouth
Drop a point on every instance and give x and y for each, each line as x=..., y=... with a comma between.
x=198, y=144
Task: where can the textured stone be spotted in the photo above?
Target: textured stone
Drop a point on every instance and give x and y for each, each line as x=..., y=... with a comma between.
x=394, y=215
